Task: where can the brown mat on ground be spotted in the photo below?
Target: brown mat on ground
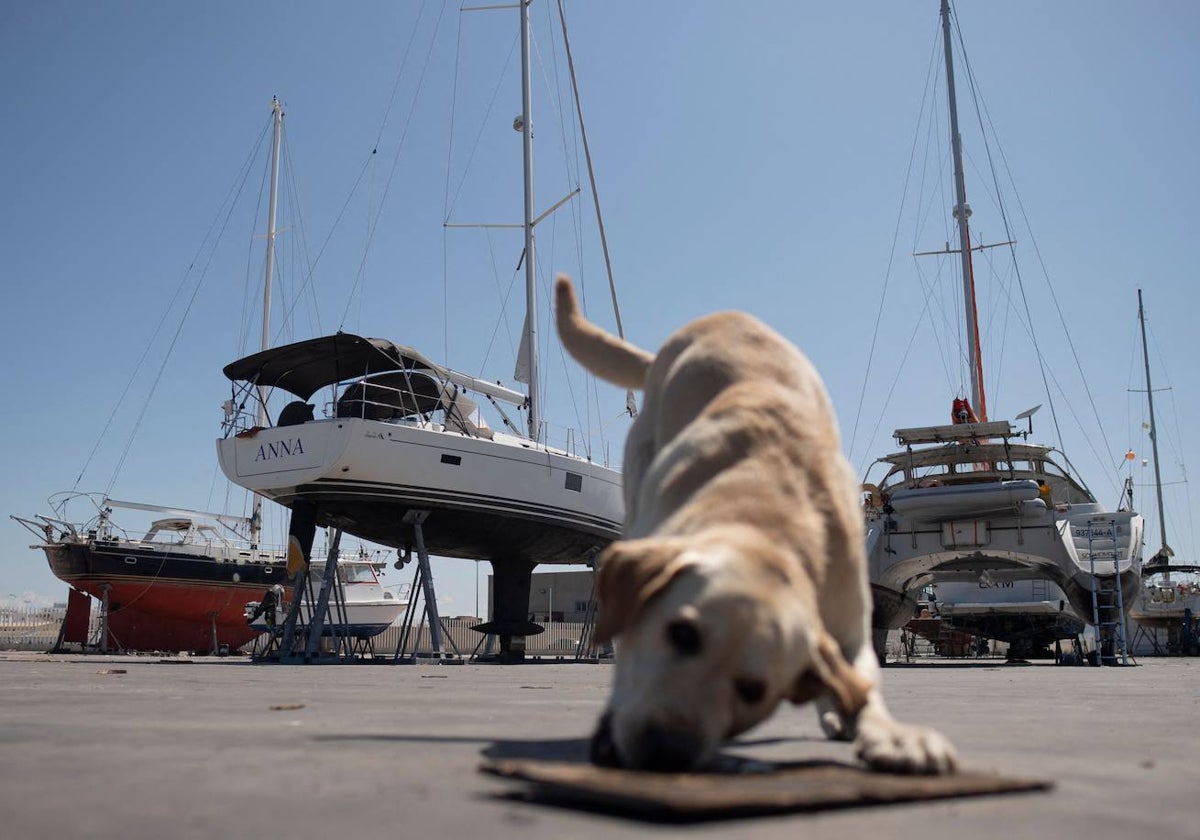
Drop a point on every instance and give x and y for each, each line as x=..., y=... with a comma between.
x=806, y=786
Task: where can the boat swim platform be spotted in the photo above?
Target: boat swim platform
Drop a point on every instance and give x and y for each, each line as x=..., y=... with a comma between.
x=141, y=747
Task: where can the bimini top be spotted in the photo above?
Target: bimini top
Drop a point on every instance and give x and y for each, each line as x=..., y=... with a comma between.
x=305, y=367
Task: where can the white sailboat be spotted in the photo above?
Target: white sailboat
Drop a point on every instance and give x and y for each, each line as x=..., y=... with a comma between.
x=399, y=454
x=1169, y=599
x=1016, y=547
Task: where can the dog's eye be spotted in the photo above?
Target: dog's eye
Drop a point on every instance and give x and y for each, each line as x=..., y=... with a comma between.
x=750, y=691
x=684, y=636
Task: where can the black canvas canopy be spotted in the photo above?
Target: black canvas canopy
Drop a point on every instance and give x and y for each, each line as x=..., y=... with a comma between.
x=303, y=368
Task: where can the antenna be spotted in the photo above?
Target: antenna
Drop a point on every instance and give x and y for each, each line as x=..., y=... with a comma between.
x=1027, y=414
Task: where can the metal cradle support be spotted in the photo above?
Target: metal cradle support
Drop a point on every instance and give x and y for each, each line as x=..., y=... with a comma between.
x=302, y=528
x=215, y=645
x=587, y=649
x=104, y=587
x=329, y=584
x=300, y=639
x=422, y=583
x=287, y=645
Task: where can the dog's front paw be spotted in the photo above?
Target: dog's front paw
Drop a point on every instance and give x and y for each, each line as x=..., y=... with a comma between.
x=835, y=726
x=901, y=748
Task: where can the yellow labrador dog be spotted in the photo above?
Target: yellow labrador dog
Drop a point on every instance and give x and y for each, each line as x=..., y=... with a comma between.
x=741, y=579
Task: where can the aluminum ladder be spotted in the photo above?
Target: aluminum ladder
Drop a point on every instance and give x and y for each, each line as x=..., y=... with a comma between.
x=1108, y=602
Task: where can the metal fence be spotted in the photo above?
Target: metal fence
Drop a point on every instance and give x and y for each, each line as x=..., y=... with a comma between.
x=25, y=627
x=559, y=639
x=36, y=628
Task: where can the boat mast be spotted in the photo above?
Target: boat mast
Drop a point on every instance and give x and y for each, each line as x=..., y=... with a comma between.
x=962, y=211
x=277, y=119
x=530, y=336
x=1165, y=550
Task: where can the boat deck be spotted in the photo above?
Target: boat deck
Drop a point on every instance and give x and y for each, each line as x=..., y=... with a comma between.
x=138, y=747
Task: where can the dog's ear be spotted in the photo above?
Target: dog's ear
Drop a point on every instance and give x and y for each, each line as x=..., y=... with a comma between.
x=631, y=573
x=830, y=672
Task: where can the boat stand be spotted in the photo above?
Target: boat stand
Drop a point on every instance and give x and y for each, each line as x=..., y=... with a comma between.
x=107, y=638
x=422, y=589
x=104, y=618
x=587, y=650
x=486, y=641
x=215, y=647
x=287, y=641
x=300, y=643
x=1150, y=635
x=329, y=584
x=302, y=528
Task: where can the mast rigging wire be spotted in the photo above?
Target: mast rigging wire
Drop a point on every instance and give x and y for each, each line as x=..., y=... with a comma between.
x=630, y=402
x=301, y=239
x=170, y=350
x=374, y=224
x=862, y=394
x=981, y=112
x=229, y=201
x=446, y=198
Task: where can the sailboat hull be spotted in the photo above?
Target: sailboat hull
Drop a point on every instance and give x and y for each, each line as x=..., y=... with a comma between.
x=906, y=556
x=164, y=599
x=500, y=498
x=1029, y=615
x=1169, y=596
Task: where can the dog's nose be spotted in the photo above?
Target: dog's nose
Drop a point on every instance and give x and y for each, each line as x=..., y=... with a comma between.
x=603, y=750
x=666, y=749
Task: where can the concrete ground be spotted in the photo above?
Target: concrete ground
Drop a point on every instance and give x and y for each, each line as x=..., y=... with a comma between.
x=226, y=749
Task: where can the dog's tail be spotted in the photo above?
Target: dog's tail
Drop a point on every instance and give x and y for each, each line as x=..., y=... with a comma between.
x=611, y=358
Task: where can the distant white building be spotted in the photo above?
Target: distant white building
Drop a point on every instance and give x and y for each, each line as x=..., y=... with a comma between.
x=556, y=596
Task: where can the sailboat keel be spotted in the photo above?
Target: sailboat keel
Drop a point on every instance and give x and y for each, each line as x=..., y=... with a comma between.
x=511, y=583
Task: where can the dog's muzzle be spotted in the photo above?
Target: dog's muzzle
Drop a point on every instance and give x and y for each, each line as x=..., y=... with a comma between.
x=603, y=749
x=659, y=748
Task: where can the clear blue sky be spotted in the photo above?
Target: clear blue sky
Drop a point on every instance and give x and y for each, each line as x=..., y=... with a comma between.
x=749, y=156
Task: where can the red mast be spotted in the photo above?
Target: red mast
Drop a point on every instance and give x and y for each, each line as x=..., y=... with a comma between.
x=962, y=211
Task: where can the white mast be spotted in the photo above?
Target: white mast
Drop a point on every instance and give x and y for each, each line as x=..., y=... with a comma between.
x=962, y=212
x=1165, y=550
x=530, y=337
x=277, y=118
